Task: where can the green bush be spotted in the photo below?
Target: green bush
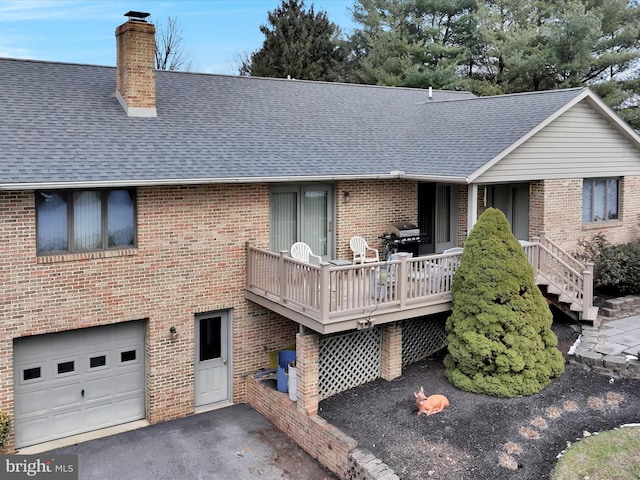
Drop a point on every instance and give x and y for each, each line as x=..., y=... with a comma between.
x=500, y=340
x=5, y=426
x=617, y=269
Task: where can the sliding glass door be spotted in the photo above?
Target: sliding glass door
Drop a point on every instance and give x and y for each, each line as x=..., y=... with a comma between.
x=513, y=200
x=437, y=217
x=302, y=213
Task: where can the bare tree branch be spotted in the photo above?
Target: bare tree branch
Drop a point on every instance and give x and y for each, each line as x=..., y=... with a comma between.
x=170, y=51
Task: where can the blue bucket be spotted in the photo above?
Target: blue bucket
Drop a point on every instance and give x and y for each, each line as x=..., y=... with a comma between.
x=285, y=357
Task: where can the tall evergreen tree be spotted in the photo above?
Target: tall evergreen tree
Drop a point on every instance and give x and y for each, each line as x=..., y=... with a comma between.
x=500, y=337
x=418, y=43
x=298, y=43
x=536, y=45
x=542, y=44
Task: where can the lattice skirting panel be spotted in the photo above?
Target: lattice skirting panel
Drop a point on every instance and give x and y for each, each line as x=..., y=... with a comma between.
x=422, y=337
x=348, y=360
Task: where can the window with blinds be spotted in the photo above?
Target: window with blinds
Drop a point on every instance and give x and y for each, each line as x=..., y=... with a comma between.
x=85, y=220
x=600, y=200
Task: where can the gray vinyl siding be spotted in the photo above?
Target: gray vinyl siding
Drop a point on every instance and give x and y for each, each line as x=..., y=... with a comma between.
x=579, y=143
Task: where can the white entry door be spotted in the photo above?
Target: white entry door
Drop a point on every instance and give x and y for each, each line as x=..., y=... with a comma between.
x=74, y=382
x=212, y=362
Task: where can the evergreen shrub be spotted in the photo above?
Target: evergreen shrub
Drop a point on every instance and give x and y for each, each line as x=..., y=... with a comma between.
x=617, y=269
x=500, y=340
x=5, y=426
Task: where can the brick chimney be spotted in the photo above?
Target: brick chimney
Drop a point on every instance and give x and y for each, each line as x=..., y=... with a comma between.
x=136, y=81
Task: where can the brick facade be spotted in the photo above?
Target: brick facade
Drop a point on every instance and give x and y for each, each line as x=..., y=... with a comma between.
x=556, y=209
x=191, y=258
x=372, y=206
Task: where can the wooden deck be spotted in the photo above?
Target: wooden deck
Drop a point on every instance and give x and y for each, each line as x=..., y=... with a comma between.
x=329, y=298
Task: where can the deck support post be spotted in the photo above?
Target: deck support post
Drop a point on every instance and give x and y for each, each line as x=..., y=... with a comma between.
x=391, y=361
x=307, y=363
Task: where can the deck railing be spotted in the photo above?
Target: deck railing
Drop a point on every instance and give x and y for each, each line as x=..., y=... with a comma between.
x=566, y=276
x=328, y=293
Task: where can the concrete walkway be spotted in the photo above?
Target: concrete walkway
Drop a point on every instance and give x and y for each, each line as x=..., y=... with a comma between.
x=235, y=442
x=613, y=348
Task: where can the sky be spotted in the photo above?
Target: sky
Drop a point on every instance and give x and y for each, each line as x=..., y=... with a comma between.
x=216, y=33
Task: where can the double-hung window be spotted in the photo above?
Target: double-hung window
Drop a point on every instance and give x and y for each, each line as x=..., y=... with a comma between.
x=600, y=200
x=85, y=220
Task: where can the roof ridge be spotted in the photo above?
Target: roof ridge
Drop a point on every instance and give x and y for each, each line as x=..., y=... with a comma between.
x=324, y=82
x=54, y=62
x=247, y=77
x=505, y=95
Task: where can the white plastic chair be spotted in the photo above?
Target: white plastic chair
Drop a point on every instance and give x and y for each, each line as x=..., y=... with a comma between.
x=452, y=263
x=392, y=269
x=301, y=251
x=362, y=252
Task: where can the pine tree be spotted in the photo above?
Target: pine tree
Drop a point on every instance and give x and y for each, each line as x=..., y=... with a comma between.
x=500, y=340
x=299, y=44
x=413, y=43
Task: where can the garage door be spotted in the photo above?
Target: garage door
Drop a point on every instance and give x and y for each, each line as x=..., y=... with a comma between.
x=74, y=382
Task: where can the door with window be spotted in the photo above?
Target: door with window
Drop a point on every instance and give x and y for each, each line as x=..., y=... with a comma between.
x=212, y=358
x=302, y=213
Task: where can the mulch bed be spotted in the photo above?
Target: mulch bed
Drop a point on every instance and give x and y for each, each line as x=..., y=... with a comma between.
x=479, y=436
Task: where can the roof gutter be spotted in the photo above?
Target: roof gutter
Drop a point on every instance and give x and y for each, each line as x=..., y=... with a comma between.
x=208, y=181
x=437, y=178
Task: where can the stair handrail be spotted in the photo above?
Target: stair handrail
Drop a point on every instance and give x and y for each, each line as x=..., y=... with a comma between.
x=561, y=254
x=573, y=268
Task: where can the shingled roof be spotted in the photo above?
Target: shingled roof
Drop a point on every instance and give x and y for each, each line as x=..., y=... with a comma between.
x=60, y=125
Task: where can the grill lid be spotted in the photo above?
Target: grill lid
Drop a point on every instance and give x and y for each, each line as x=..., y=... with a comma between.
x=403, y=229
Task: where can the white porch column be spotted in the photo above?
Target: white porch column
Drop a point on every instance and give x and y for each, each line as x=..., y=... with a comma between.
x=472, y=206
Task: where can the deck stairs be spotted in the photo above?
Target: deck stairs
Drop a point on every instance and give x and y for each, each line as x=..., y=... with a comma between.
x=565, y=282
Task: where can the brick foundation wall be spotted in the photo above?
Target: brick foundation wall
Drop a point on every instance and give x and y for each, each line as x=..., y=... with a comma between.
x=327, y=444
x=321, y=440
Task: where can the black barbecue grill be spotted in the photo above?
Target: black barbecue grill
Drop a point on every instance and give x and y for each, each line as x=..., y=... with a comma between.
x=404, y=237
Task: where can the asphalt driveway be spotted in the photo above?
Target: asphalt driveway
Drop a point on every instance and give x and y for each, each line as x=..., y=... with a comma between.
x=230, y=443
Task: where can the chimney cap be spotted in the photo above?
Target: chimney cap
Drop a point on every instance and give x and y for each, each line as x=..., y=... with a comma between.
x=138, y=16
